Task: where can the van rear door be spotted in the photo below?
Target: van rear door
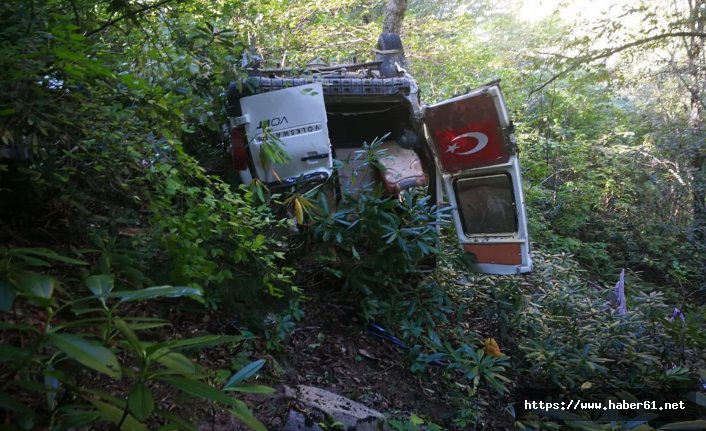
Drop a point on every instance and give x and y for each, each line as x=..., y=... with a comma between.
x=475, y=152
x=295, y=119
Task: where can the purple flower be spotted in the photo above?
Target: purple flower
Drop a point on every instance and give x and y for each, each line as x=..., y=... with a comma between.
x=620, y=293
x=678, y=312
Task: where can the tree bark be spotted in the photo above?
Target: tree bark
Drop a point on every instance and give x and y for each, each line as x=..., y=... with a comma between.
x=394, y=15
x=695, y=56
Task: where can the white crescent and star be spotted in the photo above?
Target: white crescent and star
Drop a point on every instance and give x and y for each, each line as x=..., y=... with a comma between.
x=480, y=137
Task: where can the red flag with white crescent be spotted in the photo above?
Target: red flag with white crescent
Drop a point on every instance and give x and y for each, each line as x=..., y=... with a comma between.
x=467, y=133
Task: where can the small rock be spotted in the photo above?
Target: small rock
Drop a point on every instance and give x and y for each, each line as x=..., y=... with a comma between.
x=353, y=415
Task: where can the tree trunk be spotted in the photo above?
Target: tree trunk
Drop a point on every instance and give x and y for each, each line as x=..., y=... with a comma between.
x=394, y=15
x=695, y=55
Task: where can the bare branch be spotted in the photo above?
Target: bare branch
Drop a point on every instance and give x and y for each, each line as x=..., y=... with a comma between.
x=578, y=61
x=127, y=15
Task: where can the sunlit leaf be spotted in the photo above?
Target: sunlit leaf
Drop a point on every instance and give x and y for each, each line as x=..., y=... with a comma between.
x=246, y=372
x=100, y=285
x=34, y=285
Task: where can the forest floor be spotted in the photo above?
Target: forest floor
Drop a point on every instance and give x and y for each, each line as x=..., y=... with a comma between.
x=331, y=349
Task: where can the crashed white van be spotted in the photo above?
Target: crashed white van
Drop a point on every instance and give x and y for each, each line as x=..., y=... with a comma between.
x=462, y=148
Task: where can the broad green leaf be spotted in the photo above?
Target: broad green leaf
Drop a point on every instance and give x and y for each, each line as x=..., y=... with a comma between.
x=101, y=285
x=198, y=389
x=48, y=254
x=7, y=295
x=158, y=292
x=246, y=372
x=178, y=363
x=72, y=417
x=88, y=353
x=141, y=402
x=33, y=284
x=205, y=340
x=114, y=414
x=131, y=337
x=416, y=420
x=251, y=389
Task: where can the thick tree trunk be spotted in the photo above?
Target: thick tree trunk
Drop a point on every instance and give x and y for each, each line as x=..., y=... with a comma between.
x=394, y=15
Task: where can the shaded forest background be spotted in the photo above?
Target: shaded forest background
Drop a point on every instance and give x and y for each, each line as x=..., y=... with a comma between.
x=115, y=176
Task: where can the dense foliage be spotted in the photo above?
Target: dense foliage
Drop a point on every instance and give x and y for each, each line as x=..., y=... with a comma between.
x=117, y=197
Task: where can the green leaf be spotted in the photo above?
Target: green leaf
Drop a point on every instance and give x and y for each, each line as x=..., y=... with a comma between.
x=416, y=420
x=33, y=284
x=131, y=337
x=101, y=285
x=114, y=414
x=141, y=402
x=48, y=254
x=205, y=340
x=72, y=417
x=158, y=292
x=246, y=372
x=198, y=389
x=7, y=295
x=251, y=389
x=178, y=363
x=88, y=353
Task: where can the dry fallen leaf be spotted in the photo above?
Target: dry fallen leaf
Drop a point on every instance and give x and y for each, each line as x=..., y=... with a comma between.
x=491, y=347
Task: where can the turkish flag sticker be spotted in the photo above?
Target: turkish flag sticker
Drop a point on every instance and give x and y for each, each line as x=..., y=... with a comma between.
x=467, y=133
x=469, y=147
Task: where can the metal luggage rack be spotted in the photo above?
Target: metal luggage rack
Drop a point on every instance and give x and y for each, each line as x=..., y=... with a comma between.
x=333, y=85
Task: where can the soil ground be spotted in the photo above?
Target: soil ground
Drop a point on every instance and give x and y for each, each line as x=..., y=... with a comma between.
x=331, y=349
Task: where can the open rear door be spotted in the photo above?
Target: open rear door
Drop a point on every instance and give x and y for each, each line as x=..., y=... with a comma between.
x=476, y=154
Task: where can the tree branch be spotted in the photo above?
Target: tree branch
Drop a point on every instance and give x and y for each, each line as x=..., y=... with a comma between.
x=76, y=18
x=127, y=15
x=611, y=51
